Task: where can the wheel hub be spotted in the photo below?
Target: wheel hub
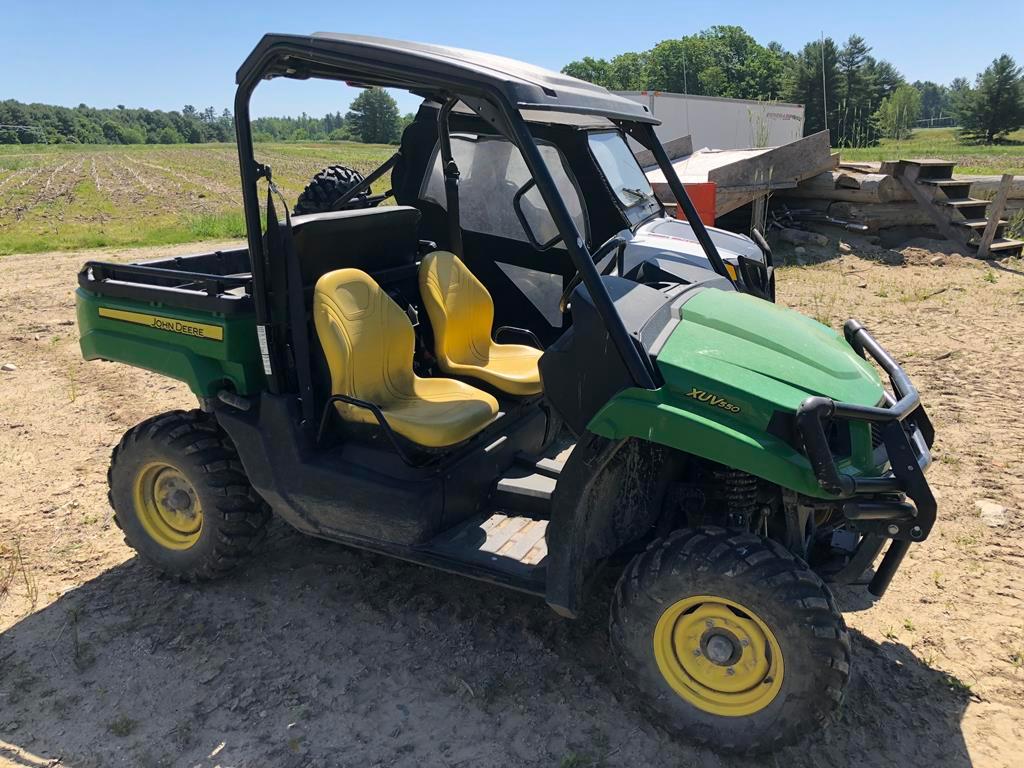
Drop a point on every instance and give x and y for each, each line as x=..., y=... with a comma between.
x=721, y=647
x=167, y=505
x=718, y=655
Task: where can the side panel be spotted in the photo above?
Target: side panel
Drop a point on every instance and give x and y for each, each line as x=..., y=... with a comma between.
x=360, y=491
x=204, y=350
x=323, y=494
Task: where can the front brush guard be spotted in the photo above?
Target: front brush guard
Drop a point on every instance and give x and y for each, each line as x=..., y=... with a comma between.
x=875, y=506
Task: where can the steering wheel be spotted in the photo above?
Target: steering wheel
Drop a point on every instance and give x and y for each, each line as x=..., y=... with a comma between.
x=613, y=242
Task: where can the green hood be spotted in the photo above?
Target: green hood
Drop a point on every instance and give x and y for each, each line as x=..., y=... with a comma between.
x=763, y=354
x=732, y=367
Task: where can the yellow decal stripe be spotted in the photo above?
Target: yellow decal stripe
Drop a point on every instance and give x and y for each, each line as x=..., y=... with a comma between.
x=169, y=324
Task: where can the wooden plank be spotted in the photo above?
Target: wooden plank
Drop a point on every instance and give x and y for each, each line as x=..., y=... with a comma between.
x=967, y=202
x=907, y=176
x=730, y=198
x=498, y=536
x=946, y=182
x=537, y=554
x=675, y=149
x=988, y=186
x=850, y=188
x=792, y=162
x=994, y=215
x=520, y=545
x=1006, y=244
x=867, y=167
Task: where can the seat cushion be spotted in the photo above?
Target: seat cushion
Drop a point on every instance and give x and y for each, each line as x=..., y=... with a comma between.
x=511, y=368
x=461, y=313
x=443, y=412
x=368, y=343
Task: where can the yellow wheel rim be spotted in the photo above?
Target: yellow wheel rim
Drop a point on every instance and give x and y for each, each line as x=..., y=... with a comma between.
x=167, y=506
x=718, y=655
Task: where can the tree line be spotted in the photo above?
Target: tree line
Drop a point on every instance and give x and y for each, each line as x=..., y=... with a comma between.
x=45, y=123
x=844, y=88
x=858, y=97
x=372, y=117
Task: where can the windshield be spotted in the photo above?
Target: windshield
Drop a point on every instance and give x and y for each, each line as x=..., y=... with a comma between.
x=620, y=168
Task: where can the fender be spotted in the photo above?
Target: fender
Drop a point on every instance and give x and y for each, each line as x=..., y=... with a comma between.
x=671, y=419
x=609, y=493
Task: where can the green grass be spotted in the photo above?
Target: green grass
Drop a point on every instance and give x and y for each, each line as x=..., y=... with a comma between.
x=70, y=197
x=942, y=143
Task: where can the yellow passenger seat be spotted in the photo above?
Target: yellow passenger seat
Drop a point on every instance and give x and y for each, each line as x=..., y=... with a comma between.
x=368, y=342
x=461, y=312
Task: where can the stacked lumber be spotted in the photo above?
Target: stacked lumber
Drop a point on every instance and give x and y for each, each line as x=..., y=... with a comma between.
x=870, y=194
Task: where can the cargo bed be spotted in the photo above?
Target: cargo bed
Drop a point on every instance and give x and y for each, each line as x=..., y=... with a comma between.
x=187, y=317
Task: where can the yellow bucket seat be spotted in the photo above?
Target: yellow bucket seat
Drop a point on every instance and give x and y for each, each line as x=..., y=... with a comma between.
x=461, y=312
x=368, y=342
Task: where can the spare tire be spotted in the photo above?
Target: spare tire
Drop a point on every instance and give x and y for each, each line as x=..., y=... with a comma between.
x=327, y=187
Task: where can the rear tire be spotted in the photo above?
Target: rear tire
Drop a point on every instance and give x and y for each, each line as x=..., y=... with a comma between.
x=327, y=187
x=732, y=641
x=181, y=497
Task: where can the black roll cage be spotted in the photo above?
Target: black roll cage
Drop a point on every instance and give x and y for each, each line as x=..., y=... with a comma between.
x=290, y=58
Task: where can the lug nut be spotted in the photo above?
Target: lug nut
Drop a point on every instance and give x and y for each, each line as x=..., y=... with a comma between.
x=730, y=671
x=893, y=530
x=709, y=623
x=916, y=532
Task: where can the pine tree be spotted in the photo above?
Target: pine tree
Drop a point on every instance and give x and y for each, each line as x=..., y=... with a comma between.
x=855, y=93
x=813, y=80
x=995, y=106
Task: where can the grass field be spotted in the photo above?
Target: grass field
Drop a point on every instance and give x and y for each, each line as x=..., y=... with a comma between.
x=941, y=142
x=66, y=196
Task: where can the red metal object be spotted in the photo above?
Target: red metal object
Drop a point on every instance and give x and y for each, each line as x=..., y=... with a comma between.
x=703, y=197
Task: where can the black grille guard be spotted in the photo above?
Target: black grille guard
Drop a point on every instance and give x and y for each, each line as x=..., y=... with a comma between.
x=877, y=505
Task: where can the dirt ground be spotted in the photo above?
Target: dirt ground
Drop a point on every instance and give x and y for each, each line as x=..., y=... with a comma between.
x=318, y=655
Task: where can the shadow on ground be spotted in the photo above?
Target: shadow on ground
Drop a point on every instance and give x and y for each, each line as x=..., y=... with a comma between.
x=318, y=655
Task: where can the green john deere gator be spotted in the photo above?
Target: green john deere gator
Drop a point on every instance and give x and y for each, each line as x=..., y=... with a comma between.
x=521, y=370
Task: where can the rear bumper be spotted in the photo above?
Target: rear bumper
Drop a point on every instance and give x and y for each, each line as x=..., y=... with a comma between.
x=898, y=505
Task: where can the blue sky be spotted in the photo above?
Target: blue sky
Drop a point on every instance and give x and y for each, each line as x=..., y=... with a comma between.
x=163, y=55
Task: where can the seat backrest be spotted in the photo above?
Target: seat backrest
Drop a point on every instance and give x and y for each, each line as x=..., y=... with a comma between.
x=460, y=308
x=366, y=338
x=371, y=239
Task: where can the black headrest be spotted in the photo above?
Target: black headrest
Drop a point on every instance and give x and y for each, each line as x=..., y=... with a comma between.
x=370, y=239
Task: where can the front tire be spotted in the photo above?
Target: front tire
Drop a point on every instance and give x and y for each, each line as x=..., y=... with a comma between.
x=733, y=642
x=181, y=497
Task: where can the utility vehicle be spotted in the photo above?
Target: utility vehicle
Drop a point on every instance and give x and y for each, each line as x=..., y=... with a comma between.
x=520, y=372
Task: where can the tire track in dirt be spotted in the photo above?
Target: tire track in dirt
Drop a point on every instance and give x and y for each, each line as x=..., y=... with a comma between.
x=60, y=183
x=201, y=182
x=14, y=176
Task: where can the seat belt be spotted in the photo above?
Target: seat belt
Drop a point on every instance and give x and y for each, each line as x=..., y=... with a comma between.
x=281, y=236
x=451, y=196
